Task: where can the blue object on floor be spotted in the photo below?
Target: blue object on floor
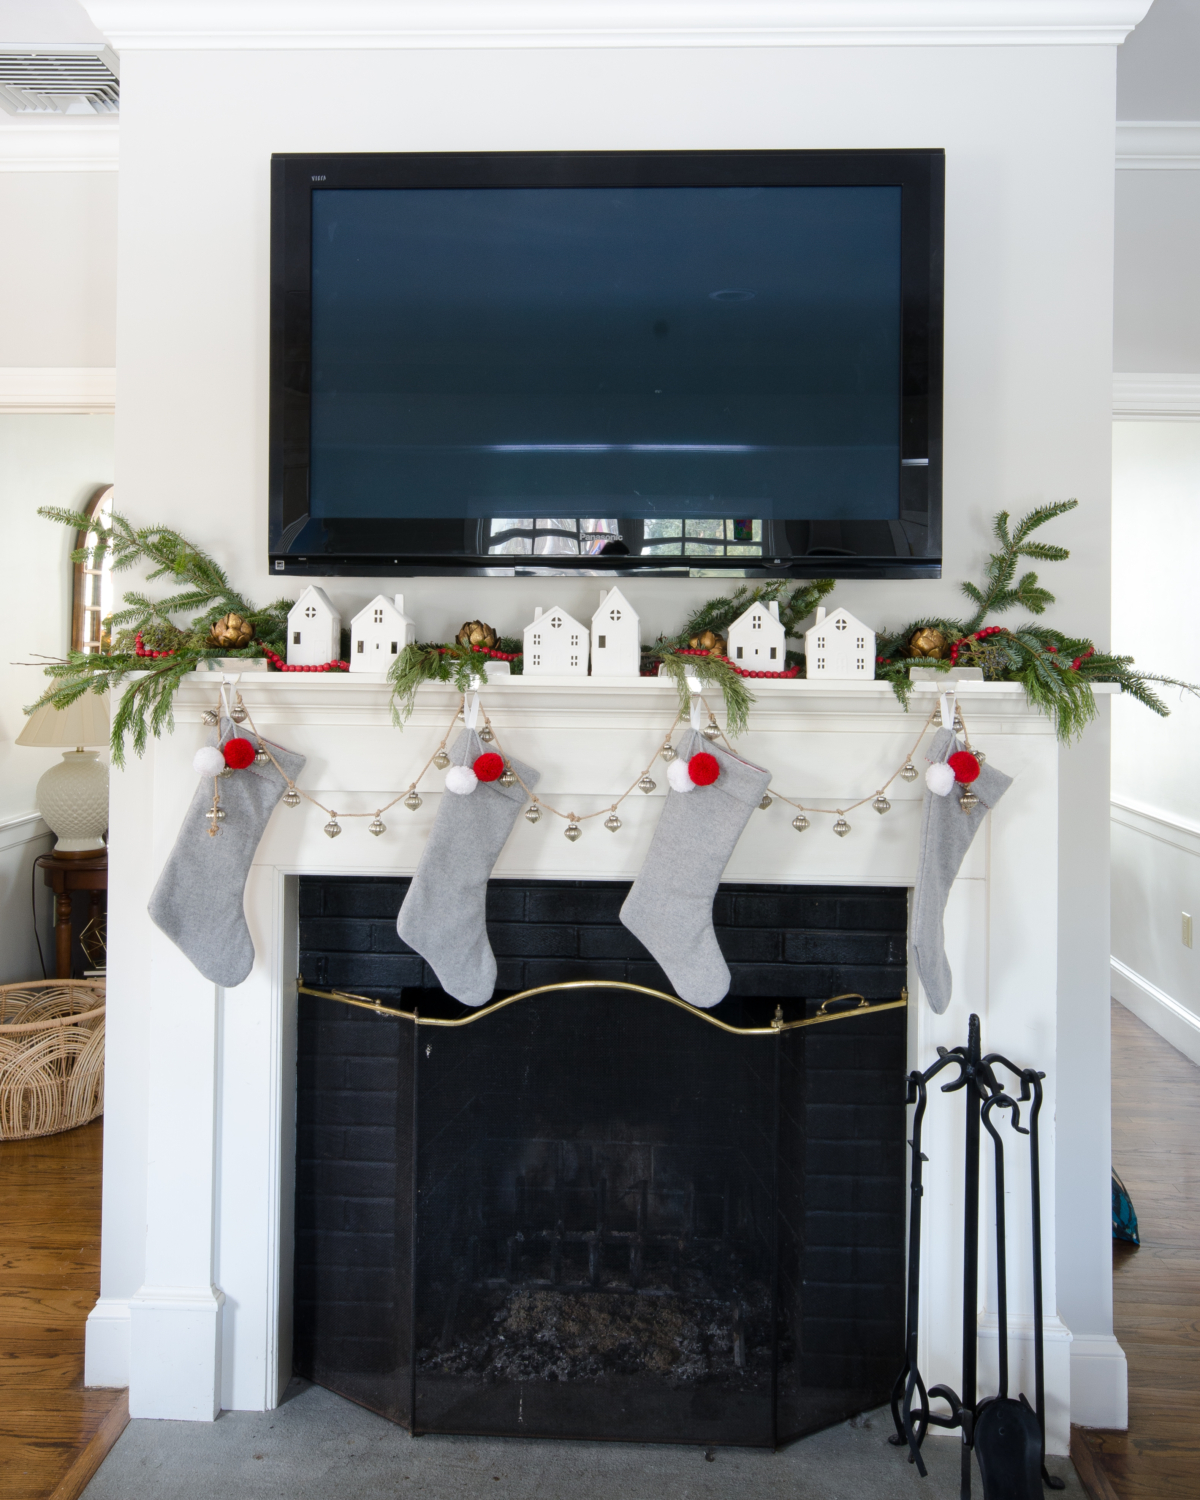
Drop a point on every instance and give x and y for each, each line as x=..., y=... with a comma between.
x=1125, y=1225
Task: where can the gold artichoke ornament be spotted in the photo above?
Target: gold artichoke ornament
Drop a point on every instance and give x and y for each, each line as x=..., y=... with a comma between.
x=928, y=642
x=476, y=634
x=709, y=641
x=231, y=632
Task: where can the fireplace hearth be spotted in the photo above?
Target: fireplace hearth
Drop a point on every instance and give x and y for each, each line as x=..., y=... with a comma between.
x=593, y=1213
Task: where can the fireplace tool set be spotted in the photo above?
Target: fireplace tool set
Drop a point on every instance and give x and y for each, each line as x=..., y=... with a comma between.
x=1007, y=1436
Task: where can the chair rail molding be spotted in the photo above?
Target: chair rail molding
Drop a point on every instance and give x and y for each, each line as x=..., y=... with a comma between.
x=27, y=390
x=1158, y=145
x=206, y=24
x=54, y=143
x=1156, y=398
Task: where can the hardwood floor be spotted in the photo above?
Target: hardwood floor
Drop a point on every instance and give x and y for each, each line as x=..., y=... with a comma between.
x=53, y=1433
x=1156, y=1288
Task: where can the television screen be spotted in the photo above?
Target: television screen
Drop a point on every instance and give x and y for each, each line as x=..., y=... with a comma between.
x=633, y=364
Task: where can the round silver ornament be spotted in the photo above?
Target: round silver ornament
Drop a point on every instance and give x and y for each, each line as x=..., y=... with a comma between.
x=486, y=735
x=612, y=822
x=669, y=752
x=968, y=801
x=647, y=784
x=333, y=827
x=937, y=718
x=712, y=730
x=958, y=723
x=979, y=756
x=217, y=814
x=841, y=828
x=881, y=804
x=210, y=717
x=261, y=758
x=441, y=760
x=908, y=772
x=508, y=777
x=572, y=831
x=766, y=802
x=291, y=798
x=532, y=813
x=238, y=714
x=377, y=826
x=800, y=823
x=413, y=800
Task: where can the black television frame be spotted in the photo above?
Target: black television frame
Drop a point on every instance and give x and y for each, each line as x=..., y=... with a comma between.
x=916, y=537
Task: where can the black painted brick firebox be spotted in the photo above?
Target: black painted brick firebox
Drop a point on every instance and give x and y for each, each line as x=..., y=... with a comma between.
x=838, y=1189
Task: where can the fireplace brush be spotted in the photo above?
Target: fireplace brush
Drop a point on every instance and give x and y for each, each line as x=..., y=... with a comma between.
x=1008, y=1437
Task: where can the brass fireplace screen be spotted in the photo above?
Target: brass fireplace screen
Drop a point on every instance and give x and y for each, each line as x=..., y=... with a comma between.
x=603, y=1214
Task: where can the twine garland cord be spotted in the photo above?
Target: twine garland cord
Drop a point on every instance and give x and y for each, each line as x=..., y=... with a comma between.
x=572, y=818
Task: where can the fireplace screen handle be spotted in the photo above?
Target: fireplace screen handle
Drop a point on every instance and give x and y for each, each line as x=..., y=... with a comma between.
x=862, y=1004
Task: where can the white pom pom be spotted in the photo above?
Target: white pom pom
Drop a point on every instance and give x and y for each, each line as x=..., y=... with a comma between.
x=939, y=778
x=679, y=777
x=208, y=761
x=462, y=781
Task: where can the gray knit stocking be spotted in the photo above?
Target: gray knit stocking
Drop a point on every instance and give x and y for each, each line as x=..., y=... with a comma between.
x=442, y=916
x=669, y=908
x=198, y=901
x=946, y=835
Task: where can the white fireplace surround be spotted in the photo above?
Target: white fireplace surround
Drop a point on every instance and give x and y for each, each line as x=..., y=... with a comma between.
x=195, y=1310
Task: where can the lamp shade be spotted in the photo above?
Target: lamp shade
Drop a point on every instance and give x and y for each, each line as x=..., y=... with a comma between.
x=82, y=723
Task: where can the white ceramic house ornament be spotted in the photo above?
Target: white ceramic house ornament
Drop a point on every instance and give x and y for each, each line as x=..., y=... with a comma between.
x=839, y=647
x=616, y=638
x=379, y=633
x=756, y=640
x=555, y=645
x=314, y=630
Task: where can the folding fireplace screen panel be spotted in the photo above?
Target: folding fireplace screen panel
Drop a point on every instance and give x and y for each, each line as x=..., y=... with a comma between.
x=594, y=1214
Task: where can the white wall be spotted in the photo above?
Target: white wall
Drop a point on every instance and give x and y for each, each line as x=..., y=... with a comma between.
x=1156, y=792
x=1029, y=139
x=1156, y=304
x=1158, y=77
x=58, y=267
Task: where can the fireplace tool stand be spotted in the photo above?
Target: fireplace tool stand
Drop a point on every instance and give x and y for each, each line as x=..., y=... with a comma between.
x=1004, y=1434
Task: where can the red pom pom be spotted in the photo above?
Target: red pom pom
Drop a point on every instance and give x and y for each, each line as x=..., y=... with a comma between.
x=704, y=768
x=238, y=754
x=964, y=765
x=489, y=766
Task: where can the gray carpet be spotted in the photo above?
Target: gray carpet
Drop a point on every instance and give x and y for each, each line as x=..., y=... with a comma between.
x=318, y=1447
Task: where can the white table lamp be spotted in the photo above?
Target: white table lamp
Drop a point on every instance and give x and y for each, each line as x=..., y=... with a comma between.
x=73, y=795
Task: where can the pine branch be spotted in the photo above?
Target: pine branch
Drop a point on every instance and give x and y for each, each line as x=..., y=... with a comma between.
x=709, y=669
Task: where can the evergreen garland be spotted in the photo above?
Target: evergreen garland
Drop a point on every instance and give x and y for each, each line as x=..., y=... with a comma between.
x=1056, y=670
x=146, y=706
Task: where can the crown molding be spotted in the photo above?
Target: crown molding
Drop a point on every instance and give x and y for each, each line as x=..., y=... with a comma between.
x=1156, y=398
x=1159, y=145
x=43, y=390
x=52, y=143
x=172, y=25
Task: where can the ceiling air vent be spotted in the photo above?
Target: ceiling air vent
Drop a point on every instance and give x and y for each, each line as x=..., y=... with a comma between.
x=81, y=81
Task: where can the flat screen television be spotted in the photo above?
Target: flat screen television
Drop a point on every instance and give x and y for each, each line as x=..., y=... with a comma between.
x=651, y=362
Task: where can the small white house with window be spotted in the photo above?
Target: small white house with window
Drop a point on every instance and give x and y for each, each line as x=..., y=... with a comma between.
x=314, y=630
x=379, y=633
x=555, y=645
x=839, y=647
x=756, y=639
x=616, y=637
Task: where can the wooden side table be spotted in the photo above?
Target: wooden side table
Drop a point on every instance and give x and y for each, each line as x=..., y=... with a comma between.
x=65, y=875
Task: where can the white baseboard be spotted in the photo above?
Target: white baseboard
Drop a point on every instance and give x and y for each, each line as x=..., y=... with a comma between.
x=1099, y=1381
x=106, y=1344
x=1173, y=1021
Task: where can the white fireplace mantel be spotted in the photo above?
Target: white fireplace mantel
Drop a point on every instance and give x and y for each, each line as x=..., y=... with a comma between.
x=196, y=1293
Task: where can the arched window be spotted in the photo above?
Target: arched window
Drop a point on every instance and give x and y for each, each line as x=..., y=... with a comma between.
x=93, y=584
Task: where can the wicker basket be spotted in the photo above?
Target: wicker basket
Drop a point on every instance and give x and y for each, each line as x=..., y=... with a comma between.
x=51, y=1056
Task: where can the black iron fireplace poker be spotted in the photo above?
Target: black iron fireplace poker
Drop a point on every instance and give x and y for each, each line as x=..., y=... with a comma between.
x=1008, y=1437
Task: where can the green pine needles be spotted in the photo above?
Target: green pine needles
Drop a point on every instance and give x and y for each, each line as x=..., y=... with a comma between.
x=145, y=707
x=1056, y=670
